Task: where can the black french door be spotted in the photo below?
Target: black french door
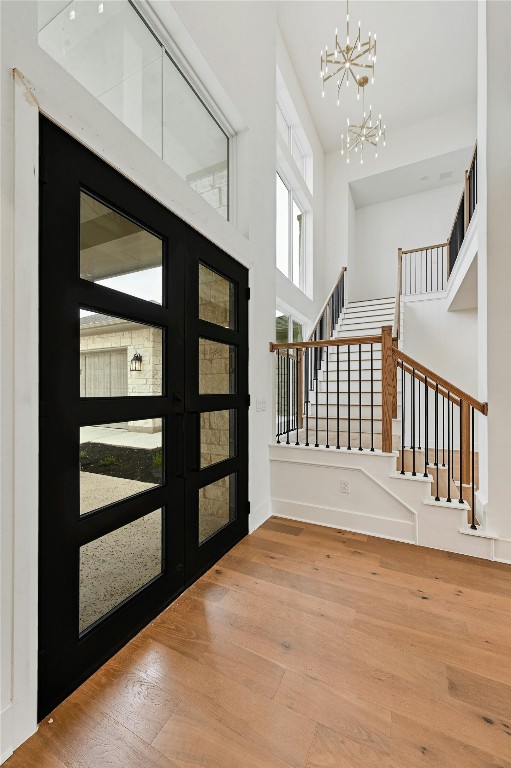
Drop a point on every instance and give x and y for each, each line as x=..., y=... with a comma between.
x=143, y=410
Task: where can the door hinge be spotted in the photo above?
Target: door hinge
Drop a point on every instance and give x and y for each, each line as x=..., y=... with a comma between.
x=248, y=294
x=248, y=507
x=248, y=401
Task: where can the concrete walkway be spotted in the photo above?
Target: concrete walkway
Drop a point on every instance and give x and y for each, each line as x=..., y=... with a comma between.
x=124, y=437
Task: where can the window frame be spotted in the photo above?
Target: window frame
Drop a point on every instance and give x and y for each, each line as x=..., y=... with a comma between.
x=292, y=197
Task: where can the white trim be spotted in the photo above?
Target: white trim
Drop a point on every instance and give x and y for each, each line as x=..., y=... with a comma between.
x=26, y=413
x=6, y=747
x=370, y=477
x=349, y=515
x=465, y=257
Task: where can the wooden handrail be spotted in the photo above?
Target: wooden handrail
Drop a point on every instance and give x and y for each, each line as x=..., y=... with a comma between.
x=341, y=273
x=424, y=248
x=326, y=343
x=436, y=379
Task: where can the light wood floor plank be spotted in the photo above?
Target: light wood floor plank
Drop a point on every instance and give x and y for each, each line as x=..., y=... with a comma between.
x=305, y=647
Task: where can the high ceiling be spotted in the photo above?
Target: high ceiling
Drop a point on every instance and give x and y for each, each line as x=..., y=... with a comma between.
x=426, y=58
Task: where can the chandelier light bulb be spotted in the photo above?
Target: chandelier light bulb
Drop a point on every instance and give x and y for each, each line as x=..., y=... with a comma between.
x=72, y=15
x=100, y=8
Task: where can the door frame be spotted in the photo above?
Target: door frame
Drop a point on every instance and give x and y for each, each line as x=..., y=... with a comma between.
x=98, y=644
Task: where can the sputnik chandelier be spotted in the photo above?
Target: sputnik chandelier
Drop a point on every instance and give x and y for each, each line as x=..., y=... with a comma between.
x=346, y=61
x=359, y=136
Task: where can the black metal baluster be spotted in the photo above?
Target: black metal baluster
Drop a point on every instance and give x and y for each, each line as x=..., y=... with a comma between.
x=449, y=447
x=327, y=360
x=288, y=396
x=410, y=272
x=437, y=497
x=437, y=269
x=307, y=394
x=403, y=418
x=349, y=397
x=278, y=396
x=360, y=397
x=316, y=444
x=461, y=452
x=473, y=524
x=298, y=406
x=415, y=272
x=443, y=431
x=426, y=426
x=372, y=401
x=338, y=399
x=431, y=271
x=419, y=420
x=414, y=473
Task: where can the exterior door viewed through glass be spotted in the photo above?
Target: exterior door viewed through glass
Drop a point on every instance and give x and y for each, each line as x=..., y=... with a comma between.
x=143, y=397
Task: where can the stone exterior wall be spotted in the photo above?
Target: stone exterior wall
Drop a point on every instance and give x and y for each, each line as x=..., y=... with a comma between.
x=147, y=342
x=216, y=368
x=212, y=184
x=217, y=437
x=216, y=506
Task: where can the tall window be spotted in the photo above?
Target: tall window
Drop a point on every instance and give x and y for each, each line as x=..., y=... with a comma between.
x=290, y=136
x=287, y=328
x=290, y=235
x=109, y=49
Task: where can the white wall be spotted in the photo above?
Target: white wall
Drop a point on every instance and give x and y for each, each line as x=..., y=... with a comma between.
x=247, y=97
x=409, y=144
x=305, y=307
x=495, y=264
x=406, y=222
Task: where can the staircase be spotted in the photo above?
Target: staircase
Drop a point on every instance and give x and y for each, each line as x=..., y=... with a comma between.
x=358, y=319
x=371, y=440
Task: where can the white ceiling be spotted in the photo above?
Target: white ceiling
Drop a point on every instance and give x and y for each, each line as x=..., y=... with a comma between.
x=439, y=171
x=426, y=58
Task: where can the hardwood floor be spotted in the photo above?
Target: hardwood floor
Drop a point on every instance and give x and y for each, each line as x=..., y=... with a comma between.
x=305, y=647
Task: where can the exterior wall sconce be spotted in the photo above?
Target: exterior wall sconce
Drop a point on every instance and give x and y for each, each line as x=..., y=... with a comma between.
x=136, y=362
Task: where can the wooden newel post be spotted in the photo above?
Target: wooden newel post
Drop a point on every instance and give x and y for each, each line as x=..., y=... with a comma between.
x=300, y=404
x=388, y=385
x=466, y=462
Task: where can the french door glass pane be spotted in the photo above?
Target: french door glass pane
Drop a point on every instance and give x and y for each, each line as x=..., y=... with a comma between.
x=217, y=368
x=217, y=298
x=119, y=358
x=118, y=253
x=217, y=436
x=282, y=227
x=217, y=506
x=115, y=566
x=297, y=244
x=119, y=460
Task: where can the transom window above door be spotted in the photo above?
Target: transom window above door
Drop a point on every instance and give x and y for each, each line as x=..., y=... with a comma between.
x=112, y=51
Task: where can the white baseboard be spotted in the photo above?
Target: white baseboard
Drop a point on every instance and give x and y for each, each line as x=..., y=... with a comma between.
x=357, y=522
x=6, y=746
x=258, y=515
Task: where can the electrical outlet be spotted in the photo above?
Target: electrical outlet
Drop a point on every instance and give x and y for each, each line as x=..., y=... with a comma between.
x=345, y=486
x=260, y=405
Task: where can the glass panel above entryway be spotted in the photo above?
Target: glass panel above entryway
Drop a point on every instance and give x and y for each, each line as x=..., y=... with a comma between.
x=112, y=51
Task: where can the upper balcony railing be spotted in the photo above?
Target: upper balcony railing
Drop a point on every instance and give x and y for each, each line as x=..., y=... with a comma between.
x=427, y=269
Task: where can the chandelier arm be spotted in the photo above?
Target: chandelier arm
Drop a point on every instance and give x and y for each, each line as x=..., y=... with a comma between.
x=354, y=59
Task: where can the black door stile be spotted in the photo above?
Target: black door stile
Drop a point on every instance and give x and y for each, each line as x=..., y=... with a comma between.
x=65, y=658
